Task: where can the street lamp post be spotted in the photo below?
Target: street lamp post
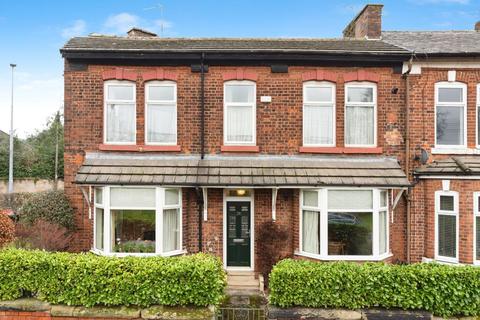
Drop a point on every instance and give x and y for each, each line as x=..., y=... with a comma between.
x=10, y=159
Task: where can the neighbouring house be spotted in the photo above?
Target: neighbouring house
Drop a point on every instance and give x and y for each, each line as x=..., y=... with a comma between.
x=363, y=147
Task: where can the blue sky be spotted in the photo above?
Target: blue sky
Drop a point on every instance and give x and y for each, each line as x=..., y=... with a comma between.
x=33, y=31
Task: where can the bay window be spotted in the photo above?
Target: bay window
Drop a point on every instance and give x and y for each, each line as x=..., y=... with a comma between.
x=137, y=220
x=349, y=224
x=120, y=112
x=446, y=226
x=161, y=113
x=318, y=114
x=239, y=113
x=360, y=114
x=450, y=114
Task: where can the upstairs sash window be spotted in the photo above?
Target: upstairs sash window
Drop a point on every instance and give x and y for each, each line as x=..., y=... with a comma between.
x=239, y=113
x=360, y=114
x=161, y=113
x=120, y=118
x=450, y=114
x=318, y=114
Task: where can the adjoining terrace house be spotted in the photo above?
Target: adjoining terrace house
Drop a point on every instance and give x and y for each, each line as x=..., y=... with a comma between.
x=363, y=147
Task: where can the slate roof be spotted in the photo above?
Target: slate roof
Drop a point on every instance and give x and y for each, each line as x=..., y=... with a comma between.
x=153, y=44
x=464, y=165
x=218, y=171
x=435, y=42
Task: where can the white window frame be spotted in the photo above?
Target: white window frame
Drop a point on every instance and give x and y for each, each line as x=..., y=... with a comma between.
x=362, y=84
x=148, y=85
x=323, y=209
x=106, y=102
x=160, y=206
x=455, y=213
x=252, y=104
x=463, y=104
x=331, y=103
x=476, y=213
x=477, y=138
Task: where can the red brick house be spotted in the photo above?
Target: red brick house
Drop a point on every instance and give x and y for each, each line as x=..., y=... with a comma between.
x=177, y=146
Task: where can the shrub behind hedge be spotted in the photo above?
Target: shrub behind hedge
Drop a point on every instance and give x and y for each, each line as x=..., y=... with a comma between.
x=441, y=289
x=88, y=280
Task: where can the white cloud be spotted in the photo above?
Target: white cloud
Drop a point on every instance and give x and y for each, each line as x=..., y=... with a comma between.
x=121, y=23
x=36, y=98
x=76, y=29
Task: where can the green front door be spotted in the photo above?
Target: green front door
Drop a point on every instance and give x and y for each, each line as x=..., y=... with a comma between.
x=238, y=234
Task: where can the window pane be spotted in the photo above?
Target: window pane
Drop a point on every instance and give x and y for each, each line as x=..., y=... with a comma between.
x=239, y=93
x=132, y=197
x=450, y=125
x=310, y=198
x=383, y=221
x=350, y=199
x=171, y=197
x=318, y=125
x=121, y=123
x=383, y=199
x=350, y=233
x=133, y=231
x=360, y=94
x=161, y=123
x=311, y=231
x=99, y=195
x=318, y=94
x=98, y=228
x=447, y=236
x=450, y=95
x=171, y=230
x=161, y=93
x=477, y=240
x=239, y=124
x=359, y=126
x=446, y=203
x=119, y=92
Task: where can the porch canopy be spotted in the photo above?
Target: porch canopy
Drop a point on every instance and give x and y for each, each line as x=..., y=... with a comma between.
x=451, y=166
x=231, y=171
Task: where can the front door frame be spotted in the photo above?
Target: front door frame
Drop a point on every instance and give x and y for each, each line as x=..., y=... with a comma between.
x=226, y=199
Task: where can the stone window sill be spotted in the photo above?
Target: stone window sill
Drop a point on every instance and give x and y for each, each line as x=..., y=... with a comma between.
x=139, y=148
x=455, y=151
x=344, y=258
x=348, y=150
x=239, y=148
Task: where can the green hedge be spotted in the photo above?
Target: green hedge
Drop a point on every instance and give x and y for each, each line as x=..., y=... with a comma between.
x=441, y=289
x=88, y=280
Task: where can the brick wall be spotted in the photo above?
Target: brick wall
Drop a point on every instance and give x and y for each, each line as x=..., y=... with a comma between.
x=279, y=130
x=422, y=135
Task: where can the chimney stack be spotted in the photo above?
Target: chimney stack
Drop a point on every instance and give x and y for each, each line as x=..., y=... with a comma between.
x=367, y=24
x=477, y=26
x=140, y=33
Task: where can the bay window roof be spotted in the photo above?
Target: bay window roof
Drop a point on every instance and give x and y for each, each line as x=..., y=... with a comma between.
x=253, y=171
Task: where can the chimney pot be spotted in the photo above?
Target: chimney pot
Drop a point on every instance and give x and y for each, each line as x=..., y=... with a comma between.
x=367, y=24
x=477, y=26
x=140, y=33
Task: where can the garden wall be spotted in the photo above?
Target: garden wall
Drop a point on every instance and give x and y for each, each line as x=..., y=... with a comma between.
x=30, y=185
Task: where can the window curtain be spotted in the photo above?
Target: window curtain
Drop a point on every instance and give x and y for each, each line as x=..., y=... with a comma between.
x=311, y=232
x=161, y=124
x=239, y=124
x=477, y=254
x=447, y=236
x=170, y=230
x=99, y=228
x=383, y=231
x=359, y=129
x=318, y=124
x=121, y=123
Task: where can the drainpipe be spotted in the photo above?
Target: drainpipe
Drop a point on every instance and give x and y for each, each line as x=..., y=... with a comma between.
x=202, y=150
x=202, y=106
x=407, y=150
